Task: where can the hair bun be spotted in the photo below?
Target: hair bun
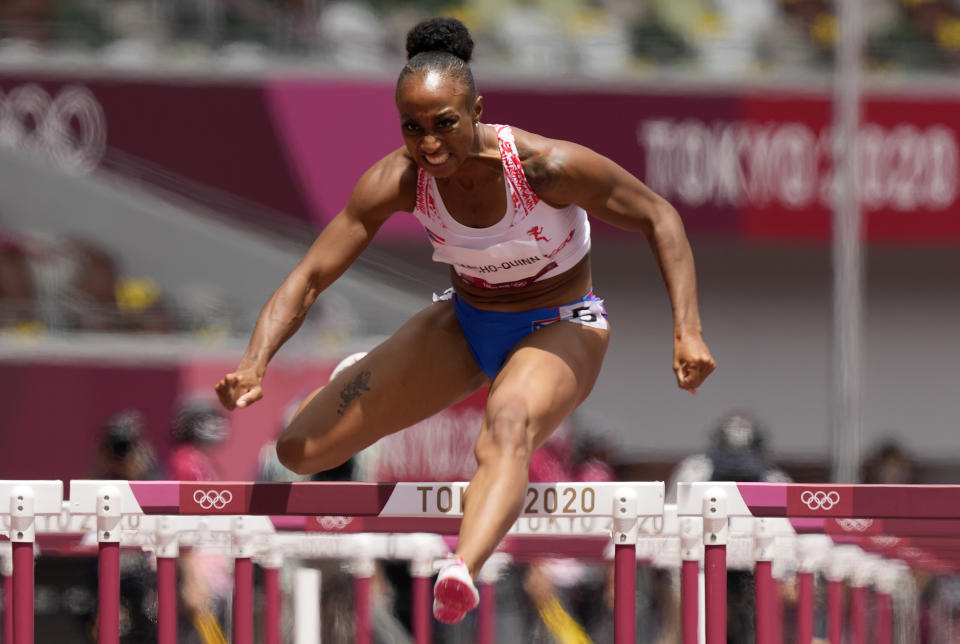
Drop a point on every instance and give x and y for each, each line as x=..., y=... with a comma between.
x=440, y=34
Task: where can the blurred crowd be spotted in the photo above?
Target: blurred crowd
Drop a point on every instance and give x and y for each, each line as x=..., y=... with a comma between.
x=78, y=284
x=601, y=38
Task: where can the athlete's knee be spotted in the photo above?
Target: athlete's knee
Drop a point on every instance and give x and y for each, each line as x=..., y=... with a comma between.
x=506, y=432
x=291, y=452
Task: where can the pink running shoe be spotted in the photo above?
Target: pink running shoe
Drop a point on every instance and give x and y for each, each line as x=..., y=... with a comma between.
x=454, y=594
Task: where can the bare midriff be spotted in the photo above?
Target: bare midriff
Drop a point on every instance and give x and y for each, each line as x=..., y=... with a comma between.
x=564, y=288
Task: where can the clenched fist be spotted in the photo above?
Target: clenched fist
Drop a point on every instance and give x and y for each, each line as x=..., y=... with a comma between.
x=241, y=388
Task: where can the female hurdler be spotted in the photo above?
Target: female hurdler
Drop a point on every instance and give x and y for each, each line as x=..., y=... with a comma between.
x=506, y=209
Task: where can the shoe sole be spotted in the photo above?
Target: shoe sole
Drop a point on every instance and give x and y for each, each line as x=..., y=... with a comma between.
x=452, y=600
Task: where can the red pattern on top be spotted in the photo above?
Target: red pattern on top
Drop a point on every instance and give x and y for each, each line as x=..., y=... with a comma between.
x=524, y=198
x=425, y=201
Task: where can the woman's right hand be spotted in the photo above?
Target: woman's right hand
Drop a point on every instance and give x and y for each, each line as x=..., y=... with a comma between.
x=241, y=388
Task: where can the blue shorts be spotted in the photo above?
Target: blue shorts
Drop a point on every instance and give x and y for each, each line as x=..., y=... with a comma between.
x=493, y=334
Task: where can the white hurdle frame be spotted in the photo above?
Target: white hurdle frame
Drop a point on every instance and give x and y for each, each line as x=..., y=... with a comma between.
x=622, y=503
x=864, y=536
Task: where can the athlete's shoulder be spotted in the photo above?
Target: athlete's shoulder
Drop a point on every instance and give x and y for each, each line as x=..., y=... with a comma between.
x=390, y=182
x=542, y=158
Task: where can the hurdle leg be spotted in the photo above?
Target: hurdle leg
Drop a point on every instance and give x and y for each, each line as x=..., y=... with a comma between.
x=715, y=533
x=846, y=563
x=166, y=600
x=765, y=590
x=804, y=607
x=108, y=576
x=271, y=563
x=108, y=566
x=421, y=574
x=884, y=632
x=363, y=567
x=242, y=582
x=764, y=606
x=858, y=614
x=487, y=611
x=243, y=600
x=23, y=590
x=167, y=551
x=487, y=614
x=777, y=612
x=887, y=578
x=306, y=605
x=691, y=552
x=6, y=571
x=22, y=536
x=625, y=530
x=23, y=593
x=835, y=610
x=361, y=609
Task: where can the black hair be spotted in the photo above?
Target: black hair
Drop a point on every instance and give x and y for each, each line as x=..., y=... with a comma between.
x=443, y=45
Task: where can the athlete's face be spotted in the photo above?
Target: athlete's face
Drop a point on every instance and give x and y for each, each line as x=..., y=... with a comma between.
x=438, y=120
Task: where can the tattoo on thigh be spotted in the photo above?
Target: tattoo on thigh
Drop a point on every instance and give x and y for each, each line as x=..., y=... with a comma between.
x=353, y=390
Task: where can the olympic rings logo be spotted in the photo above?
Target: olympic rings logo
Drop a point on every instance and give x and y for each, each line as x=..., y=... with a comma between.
x=884, y=541
x=70, y=128
x=854, y=525
x=820, y=500
x=212, y=499
x=334, y=524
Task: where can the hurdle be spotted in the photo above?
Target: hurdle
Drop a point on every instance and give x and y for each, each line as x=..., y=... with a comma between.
x=116, y=504
x=858, y=537
x=839, y=516
x=26, y=502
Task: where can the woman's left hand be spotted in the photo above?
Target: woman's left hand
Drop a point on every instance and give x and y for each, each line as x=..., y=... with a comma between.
x=692, y=362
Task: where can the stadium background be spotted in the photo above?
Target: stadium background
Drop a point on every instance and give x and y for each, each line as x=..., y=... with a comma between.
x=199, y=146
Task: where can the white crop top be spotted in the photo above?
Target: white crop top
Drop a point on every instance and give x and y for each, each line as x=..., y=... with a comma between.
x=532, y=242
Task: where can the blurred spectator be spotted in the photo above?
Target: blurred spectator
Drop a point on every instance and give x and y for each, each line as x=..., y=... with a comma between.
x=94, y=288
x=889, y=463
x=353, y=36
x=655, y=41
x=205, y=311
x=199, y=427
x=26, y=19
x=19, y=308
x=100, y=300
x=124, y=454
x=736, y=451
x=926, y=36
x=802, y=39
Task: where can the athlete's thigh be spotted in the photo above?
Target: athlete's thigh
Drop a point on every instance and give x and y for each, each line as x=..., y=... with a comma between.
x=423, y=368
x=550, y=372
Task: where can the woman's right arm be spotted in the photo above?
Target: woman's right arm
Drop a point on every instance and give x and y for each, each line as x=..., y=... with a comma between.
x=389, y=186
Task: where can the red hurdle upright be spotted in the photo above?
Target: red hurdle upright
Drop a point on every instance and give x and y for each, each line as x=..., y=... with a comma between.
x=625, y=566
x=271, y=562
x=6, y=571
x=766, y=617
x=167, y=550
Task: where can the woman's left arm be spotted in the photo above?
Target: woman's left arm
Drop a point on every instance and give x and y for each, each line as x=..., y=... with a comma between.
x=564, y=173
